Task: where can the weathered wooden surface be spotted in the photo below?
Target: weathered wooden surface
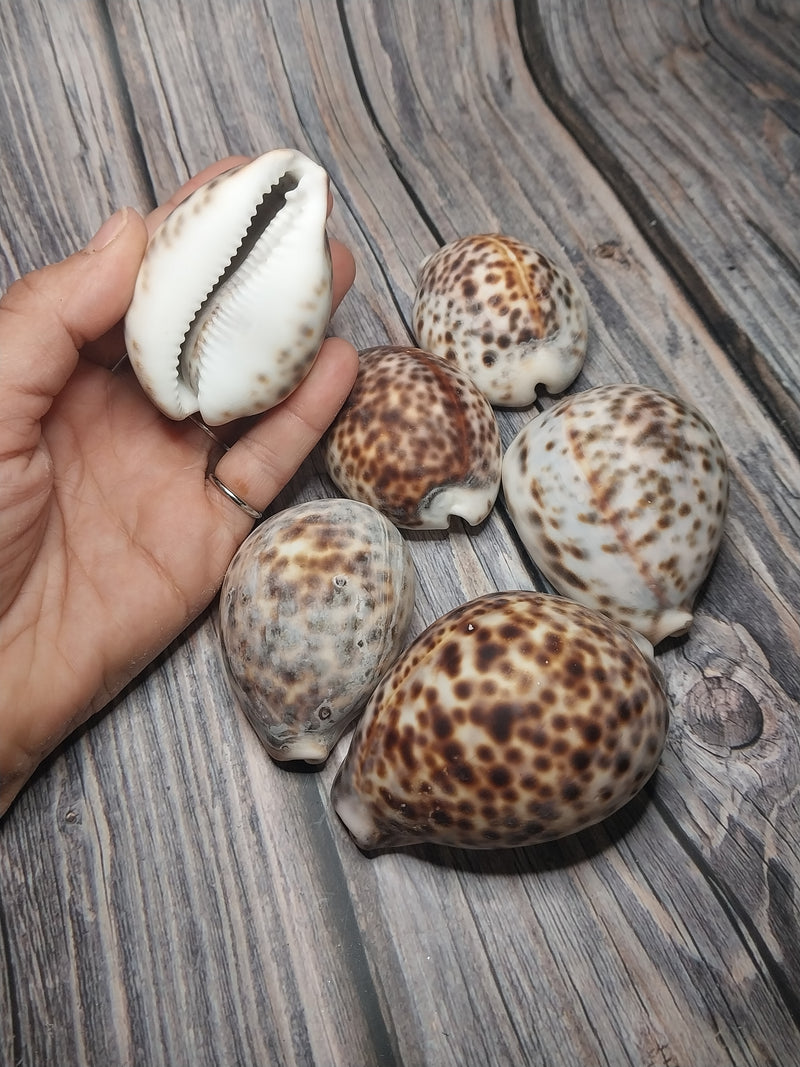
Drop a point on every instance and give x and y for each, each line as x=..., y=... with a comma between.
x=169, y=896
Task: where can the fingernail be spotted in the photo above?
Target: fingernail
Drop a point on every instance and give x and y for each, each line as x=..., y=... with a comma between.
x=110, y=229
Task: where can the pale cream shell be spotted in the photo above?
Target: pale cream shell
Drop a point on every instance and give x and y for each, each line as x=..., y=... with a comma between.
x=619, y=494
x=261, y=330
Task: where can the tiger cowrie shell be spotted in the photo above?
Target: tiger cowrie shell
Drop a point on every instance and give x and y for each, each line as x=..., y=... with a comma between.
x=514, y=719
x=233, y=295
x=314, y=608
x=505, y=314
x=619, y=494
x=417, y=440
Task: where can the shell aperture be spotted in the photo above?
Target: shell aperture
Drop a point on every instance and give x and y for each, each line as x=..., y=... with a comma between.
x=234, y=292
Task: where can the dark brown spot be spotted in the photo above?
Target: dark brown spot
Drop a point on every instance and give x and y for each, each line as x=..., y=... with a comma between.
x=576, y=668
x=570, y=790
x=553, y=644
x=464, y=773
x=500, y=722
x=487, y=653
x=622, y=764
x=442, y=726
x=580, y=759
x=450, y=659
x=499, y=776
x=591, y=733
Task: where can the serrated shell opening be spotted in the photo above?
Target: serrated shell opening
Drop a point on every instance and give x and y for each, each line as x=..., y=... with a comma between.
x=252, y=252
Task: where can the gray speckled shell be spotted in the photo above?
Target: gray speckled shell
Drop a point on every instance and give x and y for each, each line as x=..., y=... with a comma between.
x=514, y=719
x=503, y=313
x=314, y=608
x=619, y=494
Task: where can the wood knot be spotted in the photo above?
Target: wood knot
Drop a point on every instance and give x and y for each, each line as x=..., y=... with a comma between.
x=720, y=712
x=611, y=250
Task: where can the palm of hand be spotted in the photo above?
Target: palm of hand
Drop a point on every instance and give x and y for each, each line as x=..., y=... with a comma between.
x=111, y=538
x=127, y=549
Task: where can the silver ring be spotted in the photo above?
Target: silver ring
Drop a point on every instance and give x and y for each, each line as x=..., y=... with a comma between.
x=207, y=430
x=229, y=493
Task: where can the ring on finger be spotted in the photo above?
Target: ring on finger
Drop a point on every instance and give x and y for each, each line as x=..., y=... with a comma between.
x=248, y=509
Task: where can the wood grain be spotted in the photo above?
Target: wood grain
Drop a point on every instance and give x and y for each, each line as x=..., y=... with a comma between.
x=167, y=894
x=691, y=112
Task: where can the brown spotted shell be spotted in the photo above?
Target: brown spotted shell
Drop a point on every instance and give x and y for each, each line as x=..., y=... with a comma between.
x=314, y=608
x=504, y=313
x=514, y=719
x=619, y=494
x=417, y=440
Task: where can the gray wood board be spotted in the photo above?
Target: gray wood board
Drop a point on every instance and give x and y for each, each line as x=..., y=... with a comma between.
x=167, y=894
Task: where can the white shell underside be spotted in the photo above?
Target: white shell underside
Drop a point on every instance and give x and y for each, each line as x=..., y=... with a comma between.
x=456, y=501
x=234, y=293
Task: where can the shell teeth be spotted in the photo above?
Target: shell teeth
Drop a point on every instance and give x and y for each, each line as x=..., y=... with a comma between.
x=204, y=332
x=253, y=250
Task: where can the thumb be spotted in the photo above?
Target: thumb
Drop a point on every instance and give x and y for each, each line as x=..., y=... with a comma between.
x=49, y=314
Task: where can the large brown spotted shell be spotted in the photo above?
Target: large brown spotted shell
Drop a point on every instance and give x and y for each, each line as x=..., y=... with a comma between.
x=417, y=440
x=314, y=608
x=515, y=719
x=619, y=494
x=504, y=313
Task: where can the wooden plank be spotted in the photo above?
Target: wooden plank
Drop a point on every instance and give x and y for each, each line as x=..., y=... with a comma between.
x=197, y=904
x=691, y=112
x=71, y=155
x=486, y=137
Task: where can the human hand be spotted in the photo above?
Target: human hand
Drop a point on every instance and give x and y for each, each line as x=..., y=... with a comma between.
x=112, y=539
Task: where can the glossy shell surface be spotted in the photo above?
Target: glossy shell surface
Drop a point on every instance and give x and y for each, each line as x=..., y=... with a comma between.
x=619, y=494
x=314, y=608
x=514, y=719
x=417, y=440
x=234, y=292
x=505, y=314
